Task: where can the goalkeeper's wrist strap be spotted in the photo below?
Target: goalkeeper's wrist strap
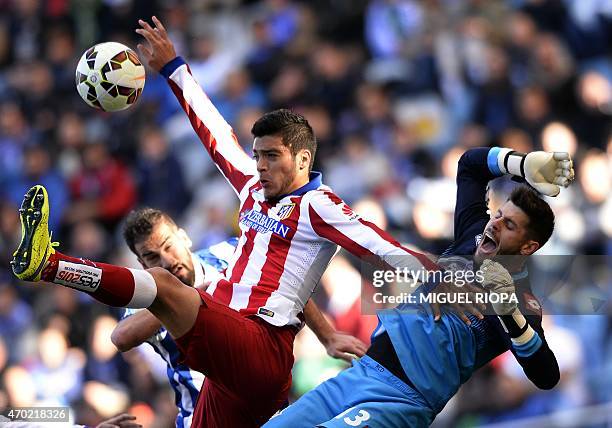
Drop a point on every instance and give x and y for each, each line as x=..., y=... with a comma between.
x=517, y=326
x=506, y=161
x=525, y=340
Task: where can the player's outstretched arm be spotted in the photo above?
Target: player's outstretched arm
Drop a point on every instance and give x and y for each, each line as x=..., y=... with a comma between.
x=337, y=344
x=528, y=343
x=544, y=171
x=215, y=133
x=332, y=219
x=134, y=330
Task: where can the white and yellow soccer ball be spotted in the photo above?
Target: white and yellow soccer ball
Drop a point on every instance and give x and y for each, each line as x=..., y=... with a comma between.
x=110, y=76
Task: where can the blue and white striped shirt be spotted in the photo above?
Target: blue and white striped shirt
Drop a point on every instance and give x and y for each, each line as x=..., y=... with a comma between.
x=186, y=383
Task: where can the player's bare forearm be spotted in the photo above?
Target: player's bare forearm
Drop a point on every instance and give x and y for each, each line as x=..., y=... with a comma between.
x=317, y=322
x=336, y=343
x=134, y=330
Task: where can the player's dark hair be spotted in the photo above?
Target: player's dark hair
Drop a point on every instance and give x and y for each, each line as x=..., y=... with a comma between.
x=294, y=130
x=541, y=217
x=140, y=223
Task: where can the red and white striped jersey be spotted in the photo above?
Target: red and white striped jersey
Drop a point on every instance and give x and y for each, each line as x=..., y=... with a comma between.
x=284, y=247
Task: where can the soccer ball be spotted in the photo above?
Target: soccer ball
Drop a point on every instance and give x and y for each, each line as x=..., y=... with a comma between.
x=110, y=76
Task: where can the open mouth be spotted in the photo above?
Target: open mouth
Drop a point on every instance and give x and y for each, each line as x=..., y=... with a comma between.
x=489, y=244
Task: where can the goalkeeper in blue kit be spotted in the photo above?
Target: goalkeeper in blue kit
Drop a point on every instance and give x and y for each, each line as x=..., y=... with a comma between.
x=420, y=356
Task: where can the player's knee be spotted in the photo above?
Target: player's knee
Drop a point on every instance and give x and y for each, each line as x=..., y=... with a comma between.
x=121, y=339
x=167, y=287
x=160, y=274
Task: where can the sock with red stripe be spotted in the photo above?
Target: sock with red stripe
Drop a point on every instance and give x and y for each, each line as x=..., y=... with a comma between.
x=109, y=284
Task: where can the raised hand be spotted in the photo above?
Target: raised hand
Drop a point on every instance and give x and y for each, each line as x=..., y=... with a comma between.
x=160, y=49
x=548, y=171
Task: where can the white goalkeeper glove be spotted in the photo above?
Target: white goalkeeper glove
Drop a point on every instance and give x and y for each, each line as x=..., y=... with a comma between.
x=496, y=279
x=544, y=171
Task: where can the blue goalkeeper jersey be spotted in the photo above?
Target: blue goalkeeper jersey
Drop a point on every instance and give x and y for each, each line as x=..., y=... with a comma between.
x=186, y=383
x=437, y=357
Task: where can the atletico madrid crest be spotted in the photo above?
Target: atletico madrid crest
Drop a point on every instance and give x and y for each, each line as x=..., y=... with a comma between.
x=285, y=211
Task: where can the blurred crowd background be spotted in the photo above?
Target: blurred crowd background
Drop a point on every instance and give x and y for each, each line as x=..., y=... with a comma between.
x=396, y=91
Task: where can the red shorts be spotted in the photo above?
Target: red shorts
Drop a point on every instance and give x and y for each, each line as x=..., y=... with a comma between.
x=247, y=363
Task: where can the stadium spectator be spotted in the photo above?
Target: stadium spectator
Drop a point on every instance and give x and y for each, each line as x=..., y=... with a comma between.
x=38, y=168
x=15, y=319
x=102, y=190
x=159, y=175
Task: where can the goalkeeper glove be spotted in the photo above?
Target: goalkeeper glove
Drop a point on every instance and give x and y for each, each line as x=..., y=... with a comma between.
x=544, y=171
x=498, y=280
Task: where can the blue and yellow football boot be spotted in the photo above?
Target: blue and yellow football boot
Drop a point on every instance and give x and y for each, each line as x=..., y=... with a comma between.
x=36, y=246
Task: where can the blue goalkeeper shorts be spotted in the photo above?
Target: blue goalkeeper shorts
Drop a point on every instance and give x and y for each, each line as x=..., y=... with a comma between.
x=364, y=395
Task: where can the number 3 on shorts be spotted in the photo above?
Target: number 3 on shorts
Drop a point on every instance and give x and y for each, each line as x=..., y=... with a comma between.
x=356, y=420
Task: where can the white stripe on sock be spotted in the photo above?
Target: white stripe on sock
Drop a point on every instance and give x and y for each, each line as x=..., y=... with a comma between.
x=145, y=289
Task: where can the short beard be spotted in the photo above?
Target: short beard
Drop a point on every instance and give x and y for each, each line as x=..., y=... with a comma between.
x=188, y=281
x=509, y=252
x=283, y=190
